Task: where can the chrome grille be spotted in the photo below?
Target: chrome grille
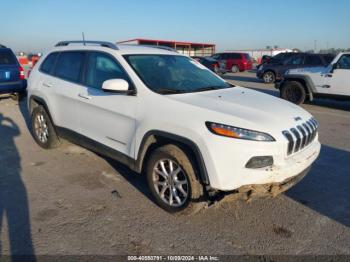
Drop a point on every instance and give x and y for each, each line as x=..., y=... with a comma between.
x=300, y=136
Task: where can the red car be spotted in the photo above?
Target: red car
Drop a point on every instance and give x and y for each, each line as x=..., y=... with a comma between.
x=234, y=62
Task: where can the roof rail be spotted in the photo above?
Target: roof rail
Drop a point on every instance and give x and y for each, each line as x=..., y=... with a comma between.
x=155, y=46
x=2, y=46
x=101, y=43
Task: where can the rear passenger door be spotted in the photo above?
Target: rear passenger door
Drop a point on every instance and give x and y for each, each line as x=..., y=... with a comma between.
x=105, y=117
x=296, y=61
x=65, y=88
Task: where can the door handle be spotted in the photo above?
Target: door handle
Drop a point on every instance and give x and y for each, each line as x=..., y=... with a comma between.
x=47, y=84
x=84, y=96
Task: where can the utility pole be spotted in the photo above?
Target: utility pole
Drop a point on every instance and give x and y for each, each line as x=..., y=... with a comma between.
x=315, y=46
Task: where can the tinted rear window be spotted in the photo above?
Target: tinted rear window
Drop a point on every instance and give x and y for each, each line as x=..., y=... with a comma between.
x=49, y=62
x=313, y=60
x=247, y=56
x=234, y=56
x=328, y=58
x=7, y=58
x=69, y=65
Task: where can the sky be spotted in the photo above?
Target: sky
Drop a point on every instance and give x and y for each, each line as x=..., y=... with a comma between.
x=36, y=25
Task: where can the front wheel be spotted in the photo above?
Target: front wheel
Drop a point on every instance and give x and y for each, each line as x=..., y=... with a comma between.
x=294, y=92
x=172, y=180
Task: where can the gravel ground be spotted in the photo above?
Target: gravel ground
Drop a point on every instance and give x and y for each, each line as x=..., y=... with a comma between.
x=71, y=201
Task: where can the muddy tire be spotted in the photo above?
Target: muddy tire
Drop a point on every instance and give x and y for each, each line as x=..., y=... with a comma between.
x=43, y=130
x=294, y=92
x=172, y=180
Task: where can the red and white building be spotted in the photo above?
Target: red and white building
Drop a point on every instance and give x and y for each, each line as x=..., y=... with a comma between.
x=187, y=48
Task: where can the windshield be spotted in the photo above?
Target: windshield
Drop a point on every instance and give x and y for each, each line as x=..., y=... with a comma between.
x=171, y=74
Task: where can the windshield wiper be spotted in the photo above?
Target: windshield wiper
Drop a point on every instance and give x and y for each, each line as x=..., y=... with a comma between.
x=165, y=91
x=209, y=88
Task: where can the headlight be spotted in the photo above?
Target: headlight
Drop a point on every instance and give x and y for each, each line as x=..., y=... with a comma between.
x=236, y=132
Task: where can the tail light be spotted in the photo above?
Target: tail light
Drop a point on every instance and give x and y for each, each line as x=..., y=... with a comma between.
x=21, y=73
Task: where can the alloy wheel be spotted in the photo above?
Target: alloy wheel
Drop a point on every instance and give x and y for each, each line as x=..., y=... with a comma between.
x=170, y=182
x=41, y=129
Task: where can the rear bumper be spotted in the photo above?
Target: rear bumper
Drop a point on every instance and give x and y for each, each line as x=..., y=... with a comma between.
x=13, y=87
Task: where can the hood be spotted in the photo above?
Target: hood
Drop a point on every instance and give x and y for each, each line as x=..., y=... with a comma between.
x=252, y=109
x=312, y=70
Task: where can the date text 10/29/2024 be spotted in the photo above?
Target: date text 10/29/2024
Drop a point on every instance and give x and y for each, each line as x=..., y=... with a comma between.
x=173, y=258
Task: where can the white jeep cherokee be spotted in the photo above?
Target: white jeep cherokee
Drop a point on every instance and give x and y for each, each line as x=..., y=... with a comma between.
x=194, y=135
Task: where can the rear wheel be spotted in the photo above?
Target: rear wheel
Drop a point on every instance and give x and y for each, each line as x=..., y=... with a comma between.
x=42, y=128
x=172, y=180
x=294, y=92
x=269, y=77
x=234, y=69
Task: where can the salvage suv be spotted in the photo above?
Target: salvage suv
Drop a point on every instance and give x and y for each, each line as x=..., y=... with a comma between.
x=194, y=136
x=304, y=84
x=12, y=78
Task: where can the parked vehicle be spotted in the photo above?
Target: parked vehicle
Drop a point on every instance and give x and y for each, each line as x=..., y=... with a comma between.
x=12, y=79
x=276, y=68
x=210, y=63
x=277, y=59
x=192, y=134
x=234, y=62
x=332, y=81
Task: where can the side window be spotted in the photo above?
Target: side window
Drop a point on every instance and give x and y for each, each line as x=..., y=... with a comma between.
x=313, y=60
x=295, y=60
x=101, y=67
x=69, y=65
x=49, y=62
x=344, y=62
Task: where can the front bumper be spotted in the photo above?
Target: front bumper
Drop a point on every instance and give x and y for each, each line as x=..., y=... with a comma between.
x=227, y=158
x=250, y=192
x=259, y=74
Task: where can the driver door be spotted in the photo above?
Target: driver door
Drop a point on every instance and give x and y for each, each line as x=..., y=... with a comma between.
x=338, y=80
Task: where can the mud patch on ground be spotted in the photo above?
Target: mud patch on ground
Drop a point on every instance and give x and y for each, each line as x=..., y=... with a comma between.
x=282, y=231
x=46, y=214
x=90, y=181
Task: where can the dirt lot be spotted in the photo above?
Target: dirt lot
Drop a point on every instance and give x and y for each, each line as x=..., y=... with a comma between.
x=72, y=201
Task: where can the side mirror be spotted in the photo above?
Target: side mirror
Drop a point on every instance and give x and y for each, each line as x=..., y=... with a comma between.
x=116, y=86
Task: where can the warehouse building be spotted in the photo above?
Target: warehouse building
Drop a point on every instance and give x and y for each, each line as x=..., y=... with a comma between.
x=186, y=48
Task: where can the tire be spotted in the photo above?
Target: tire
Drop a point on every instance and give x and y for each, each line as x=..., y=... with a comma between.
x=294, y=92
x=269, y=77
x=185, y=179
x=234, y=69
x=43, y=130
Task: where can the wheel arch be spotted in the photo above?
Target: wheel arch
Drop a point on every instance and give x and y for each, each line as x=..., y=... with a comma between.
x=35, y=101
x=305, y=81
x=156, y=138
